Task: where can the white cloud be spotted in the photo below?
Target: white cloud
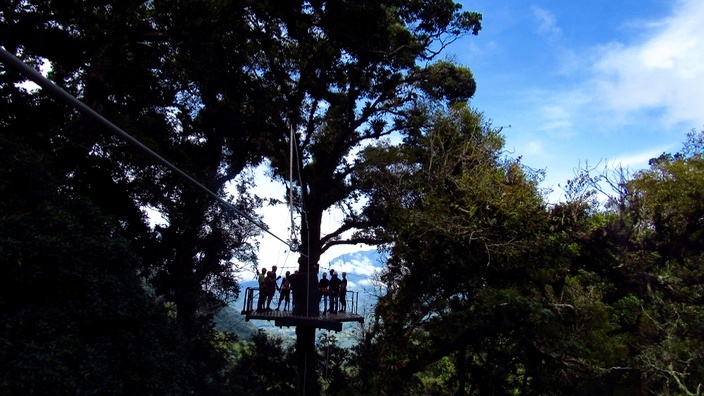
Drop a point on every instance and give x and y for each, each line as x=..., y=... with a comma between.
x=554, y=113
x=535, y=148
x=647, y=87
x=657, y=80
x=556, y=117
x=363, y=283
x=664, y=72
x=547, y=23
x=354, y=266
x=278, y=218
x=638, y=160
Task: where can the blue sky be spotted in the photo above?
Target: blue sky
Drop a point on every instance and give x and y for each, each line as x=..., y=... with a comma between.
x=588, y=82
x=595, y=82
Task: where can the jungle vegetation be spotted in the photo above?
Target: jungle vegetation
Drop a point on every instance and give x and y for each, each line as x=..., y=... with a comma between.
x=489, y=289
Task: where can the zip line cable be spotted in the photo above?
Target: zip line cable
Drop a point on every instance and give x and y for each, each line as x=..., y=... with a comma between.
x=18, y=65
x=11, y=61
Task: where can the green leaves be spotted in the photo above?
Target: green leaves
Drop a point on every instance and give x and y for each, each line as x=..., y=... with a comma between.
x=577, y=296
x=445, y=80
x=462, y=245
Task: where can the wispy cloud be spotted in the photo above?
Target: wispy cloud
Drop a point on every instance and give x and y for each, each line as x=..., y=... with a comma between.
x=556, y=117
x=556, y=112
x=656, y=81
x=660, y=73
x=638, y=160
x=547, y=23
x=535, y=148
x=664, y=72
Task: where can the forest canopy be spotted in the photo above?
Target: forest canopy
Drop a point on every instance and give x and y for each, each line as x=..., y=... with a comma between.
x=488, y=289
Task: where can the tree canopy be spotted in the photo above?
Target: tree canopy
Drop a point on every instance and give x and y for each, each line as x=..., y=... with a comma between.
x=487, y=290
x=215, y=87
x=493, y=291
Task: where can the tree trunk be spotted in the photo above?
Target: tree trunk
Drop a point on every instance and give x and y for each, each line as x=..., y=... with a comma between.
x=307, y=304
x=307, y=380
x=461, y=370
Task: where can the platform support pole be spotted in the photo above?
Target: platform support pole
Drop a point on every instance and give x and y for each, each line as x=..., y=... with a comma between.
x=306, y=355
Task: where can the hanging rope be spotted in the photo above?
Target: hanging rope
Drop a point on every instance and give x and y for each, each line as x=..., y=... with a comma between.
x=304, y=216
x=292, y=141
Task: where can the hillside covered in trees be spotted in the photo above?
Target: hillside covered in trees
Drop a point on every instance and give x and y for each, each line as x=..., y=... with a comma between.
x=487, y=290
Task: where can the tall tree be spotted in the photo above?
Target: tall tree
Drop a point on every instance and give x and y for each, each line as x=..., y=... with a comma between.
x=196, y=80
x=173, y=74
x=658, y=274
x=467, y=227
x=75, y=316
x=347, y=74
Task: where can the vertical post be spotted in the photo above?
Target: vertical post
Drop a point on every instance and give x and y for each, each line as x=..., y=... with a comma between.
x=307, y=294
x=356, y=302
x=307, y=303
x=306, y=355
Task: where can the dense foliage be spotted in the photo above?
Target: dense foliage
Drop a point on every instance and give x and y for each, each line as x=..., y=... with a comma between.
x=488, y=289
x=341, y=76
x=75, y=317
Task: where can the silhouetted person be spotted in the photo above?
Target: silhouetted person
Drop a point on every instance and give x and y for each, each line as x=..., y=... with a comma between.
x=292, y=280
x=324, y=285
x=334, y=292
x=343, y=292
x=262, y=290
x=270, y=284
x=285, y=292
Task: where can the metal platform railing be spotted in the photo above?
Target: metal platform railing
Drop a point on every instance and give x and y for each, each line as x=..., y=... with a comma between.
x=252, y=295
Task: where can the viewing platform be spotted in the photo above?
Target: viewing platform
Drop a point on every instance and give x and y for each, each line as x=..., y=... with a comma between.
x=316, y=318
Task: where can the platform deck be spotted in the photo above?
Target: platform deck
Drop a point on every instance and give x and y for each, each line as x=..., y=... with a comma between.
x=327, y=321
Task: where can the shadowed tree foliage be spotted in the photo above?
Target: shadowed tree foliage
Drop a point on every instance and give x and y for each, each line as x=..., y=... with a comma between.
x=75, y=316
x=488, y=289
x=264, y=367
x=150, y=67
x=629, y=314
x=657, y=272
x=214, y=87
x=335, y=373
x=491, y=292
x=347, y=74
x=467, y=226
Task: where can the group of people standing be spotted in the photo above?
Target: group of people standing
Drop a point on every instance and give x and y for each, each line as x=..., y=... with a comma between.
x=334, y=288
x=268, y=285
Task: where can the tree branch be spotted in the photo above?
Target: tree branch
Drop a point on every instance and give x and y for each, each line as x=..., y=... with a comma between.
x=352, y=241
